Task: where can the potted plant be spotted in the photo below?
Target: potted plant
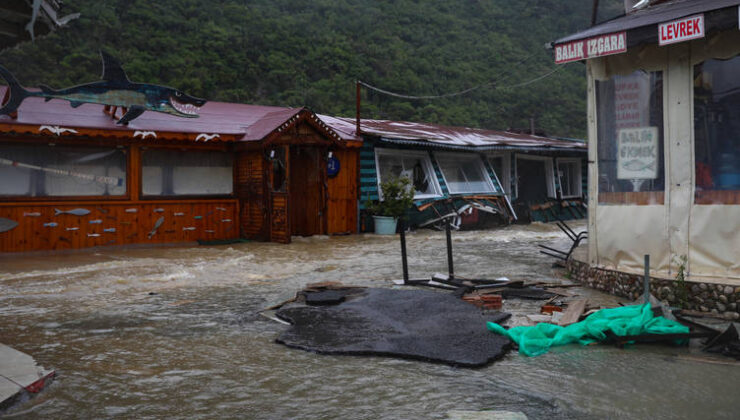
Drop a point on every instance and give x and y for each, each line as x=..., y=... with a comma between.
x=397, y=197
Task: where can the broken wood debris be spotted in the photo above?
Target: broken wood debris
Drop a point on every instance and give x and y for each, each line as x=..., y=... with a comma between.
x=573, y=313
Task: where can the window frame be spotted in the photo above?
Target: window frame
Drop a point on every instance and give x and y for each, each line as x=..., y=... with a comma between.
x=549, y=172
x=426, y=164
x=579, y=176
x=150, y=197
x=639, y=198
x=504, y=179
x=481, y=169
x=716, y=197
x=49, y=198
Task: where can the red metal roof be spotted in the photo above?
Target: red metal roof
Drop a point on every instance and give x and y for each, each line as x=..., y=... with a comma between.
x=237, y=121
x=440, y=134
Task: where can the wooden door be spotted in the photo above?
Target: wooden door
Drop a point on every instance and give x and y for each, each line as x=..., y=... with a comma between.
x=307, y=190
x=279, y=168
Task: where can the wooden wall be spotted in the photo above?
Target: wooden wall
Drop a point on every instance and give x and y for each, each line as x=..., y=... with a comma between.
x=133, y=221
x=342, y=193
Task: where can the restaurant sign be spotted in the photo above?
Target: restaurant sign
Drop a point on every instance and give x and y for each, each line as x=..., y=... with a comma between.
x=637, y=153
x=590, y=48
x=681, y=30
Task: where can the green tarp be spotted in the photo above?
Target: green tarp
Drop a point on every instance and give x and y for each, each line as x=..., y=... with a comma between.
x=622, y=321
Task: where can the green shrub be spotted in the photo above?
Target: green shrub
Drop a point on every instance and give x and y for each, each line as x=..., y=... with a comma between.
x=398, y=196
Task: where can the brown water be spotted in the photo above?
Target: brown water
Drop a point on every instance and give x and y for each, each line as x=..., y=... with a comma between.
x=174, y=332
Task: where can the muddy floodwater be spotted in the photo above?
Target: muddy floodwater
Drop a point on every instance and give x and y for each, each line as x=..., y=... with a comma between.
x=175, y=333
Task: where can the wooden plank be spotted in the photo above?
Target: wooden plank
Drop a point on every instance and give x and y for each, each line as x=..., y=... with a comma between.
x=573, y=312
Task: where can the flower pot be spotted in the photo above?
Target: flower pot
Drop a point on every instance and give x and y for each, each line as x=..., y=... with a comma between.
x=385, y=225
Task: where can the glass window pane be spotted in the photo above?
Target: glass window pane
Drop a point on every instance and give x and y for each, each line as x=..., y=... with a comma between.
x=464, y=174
x=176, y=172
x=58, y=171
x=415, y=167
x=630, y=135
x=570, y=179
x=717, y=130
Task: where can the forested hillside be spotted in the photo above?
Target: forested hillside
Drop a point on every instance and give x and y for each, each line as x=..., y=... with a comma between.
x=296, y=53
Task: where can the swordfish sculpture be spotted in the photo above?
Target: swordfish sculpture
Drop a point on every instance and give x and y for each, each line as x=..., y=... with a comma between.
x=114, y=89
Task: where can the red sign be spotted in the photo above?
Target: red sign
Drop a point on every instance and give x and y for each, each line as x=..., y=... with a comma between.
x=691, y=27
x=592, y=47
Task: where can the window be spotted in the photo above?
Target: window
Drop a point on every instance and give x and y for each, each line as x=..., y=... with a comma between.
x=569, y=171
x=464, y=173
x=414, y=165
x=502, y=169
x=191, y=172
x=630, y=138
x=717, y=131
x=61, y=171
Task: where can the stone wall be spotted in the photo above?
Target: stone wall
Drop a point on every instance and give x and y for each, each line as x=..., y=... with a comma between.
x=717, y=299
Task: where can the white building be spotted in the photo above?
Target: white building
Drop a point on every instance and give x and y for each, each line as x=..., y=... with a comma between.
x=664, y=140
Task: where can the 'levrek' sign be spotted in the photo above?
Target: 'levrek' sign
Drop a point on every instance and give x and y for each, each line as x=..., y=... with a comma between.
x=590, y=48
x=681, y=30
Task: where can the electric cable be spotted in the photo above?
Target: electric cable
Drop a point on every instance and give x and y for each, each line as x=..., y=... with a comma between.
x=446, y=95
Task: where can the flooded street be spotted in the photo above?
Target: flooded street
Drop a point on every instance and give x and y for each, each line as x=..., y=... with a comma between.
x=175, y=332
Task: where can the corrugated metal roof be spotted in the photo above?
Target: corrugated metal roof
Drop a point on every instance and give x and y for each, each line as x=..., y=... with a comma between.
x=238, y=121
x=461, y=138
x=651, y=15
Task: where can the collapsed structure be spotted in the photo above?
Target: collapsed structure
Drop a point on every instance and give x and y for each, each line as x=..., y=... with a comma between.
x=468, y=172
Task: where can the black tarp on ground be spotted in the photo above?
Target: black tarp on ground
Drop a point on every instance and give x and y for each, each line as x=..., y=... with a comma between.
x=413, y=324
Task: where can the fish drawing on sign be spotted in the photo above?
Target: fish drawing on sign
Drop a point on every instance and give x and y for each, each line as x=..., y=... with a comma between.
x=51, y=224
x=7, y=224
x=31, y=214
x=220, y=208
x=115, y=89
x=72, y=228
x=225, y=220
x=96, y=222
x=197, y=217
x=210, y=231
x=131, y=210
x=93, y=235
x=188, y=228
x=159, y=210
x=110, y=230
x=157, y=224
x=179, y=214
x=74, y=212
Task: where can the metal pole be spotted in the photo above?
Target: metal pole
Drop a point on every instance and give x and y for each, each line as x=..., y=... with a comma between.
x=450, y=268
x=357, y=99
x=646, y=280
x=403, y=252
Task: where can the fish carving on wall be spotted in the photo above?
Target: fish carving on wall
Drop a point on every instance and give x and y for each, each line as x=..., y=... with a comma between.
x=115, y=89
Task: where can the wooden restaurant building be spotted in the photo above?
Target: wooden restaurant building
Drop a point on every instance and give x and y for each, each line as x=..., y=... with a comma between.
x=73, y=178
x=664, y=148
